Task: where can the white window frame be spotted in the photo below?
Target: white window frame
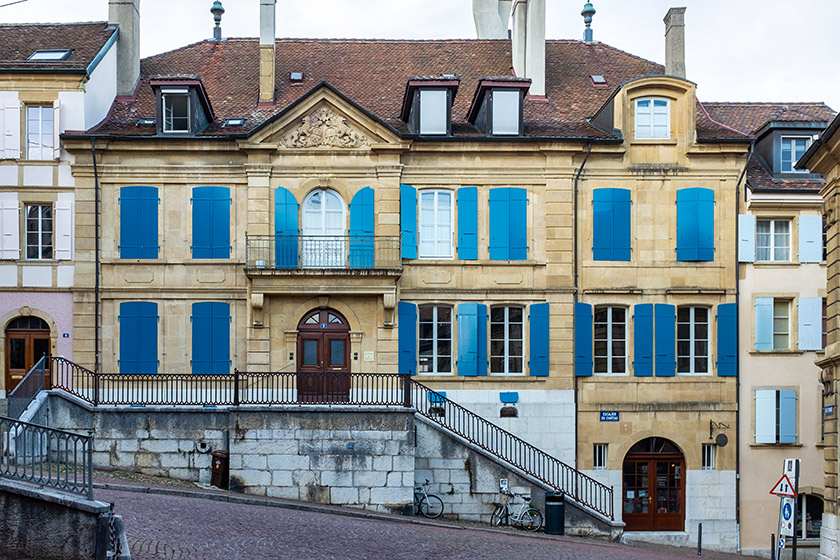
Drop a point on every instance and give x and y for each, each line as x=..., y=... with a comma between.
x=434, y=115
x=436, y=324
x=709, y=456
x=39, y=140
x=773, y=246
x=507, y=341
x=442, y=242
x=167, y=118
x=40, y=247
x=780, y=319
x=599, y=456
x=610, y=340
x=692, y=339
x=323, y=245
x=794, y=159
x=651, y=130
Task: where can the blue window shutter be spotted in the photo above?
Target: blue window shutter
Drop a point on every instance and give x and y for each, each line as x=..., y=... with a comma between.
x=602, y=224
x=202, y=223
x=481, y=336
x=129, y=224
x=518, y=224
x=810, y=239
x=408, y=221
x=286, y=230
x=727, y=332
x=665, y=339
x=643, y=340
x=765, y=416
x=810, y=323
x=583, y=339
x=468, y=223
x=499, y=224
x=138, y=337
x=746, y=238
x=220, y=337
x=787, y=416
x=763, y=323
x=695, y=224
x=407, y=344
x=468, y=339
x=148, y=222
x=148, y=319
x=621, y=227
x=220, y=233
x=361, y=229
x=202, y=350
x=538, y=335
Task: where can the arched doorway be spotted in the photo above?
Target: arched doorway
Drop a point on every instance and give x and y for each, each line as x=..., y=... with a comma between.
x=653, y=495
x=323, y=351
x=27, y=339
x=324, y=228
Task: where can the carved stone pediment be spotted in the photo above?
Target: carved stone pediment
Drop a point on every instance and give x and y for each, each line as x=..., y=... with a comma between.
x=323, y=127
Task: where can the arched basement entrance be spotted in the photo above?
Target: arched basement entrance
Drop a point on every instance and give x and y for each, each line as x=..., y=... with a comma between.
x=323, y=351
x=653, y=493
x=27, y=339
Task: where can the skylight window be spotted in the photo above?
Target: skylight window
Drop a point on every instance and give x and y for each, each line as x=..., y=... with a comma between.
x=296, y=76
x=146, y=121
x=598, y=80
x=234, y=122
x=57, y=54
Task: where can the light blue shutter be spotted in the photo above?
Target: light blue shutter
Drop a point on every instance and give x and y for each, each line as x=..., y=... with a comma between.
x=665, y=323
x=695, y=224
x=583, y=339
x=810, y=239
x=518, y=224
x=468, y=339
x=468, y=223
x=643, y=340
x=763, y=323
x=286, y=232
x=765, y=416
x=810, y=323
x=727, y=332
x=499, y=224
x=787, y=416
x=538, y=335
x=407, y=344
x=746, y=238
x=361, y=229
x=408, y=221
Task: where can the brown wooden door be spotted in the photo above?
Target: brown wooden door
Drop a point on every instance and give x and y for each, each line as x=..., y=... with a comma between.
x=653, y=493
x=23, y=350
x=323, y=357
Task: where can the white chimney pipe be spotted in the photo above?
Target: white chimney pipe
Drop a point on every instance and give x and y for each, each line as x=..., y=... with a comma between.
x=126, y=14
x=267, y=55
x=488, y=23
x=535, y=47
x=675, y=42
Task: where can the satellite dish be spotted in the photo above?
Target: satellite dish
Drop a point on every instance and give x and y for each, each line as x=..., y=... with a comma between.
x=721, y=440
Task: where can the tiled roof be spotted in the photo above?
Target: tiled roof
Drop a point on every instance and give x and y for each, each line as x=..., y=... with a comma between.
x=760, y=180
x=374, y=73
x=19, y=41
x=749, y=118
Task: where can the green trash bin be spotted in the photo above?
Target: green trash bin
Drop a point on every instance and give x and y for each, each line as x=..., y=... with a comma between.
x=555, y=513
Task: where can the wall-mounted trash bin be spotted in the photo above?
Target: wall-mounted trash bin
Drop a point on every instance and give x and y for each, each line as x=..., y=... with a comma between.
x=555, y=513
x=220, y=476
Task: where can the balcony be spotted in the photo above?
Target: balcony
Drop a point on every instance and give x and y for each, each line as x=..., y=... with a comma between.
x=322, y=255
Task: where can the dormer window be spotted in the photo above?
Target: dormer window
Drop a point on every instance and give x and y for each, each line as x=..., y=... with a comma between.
x=496, y=109
x=176, y=109
x=653, y=118
x=793, y=148
x=427, y=106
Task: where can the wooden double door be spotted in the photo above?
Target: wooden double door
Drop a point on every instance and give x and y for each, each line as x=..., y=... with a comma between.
x=323, y=362
x=27, y=340
x=653, y=495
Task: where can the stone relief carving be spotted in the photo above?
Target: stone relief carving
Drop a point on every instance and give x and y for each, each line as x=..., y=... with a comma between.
x=323, y=127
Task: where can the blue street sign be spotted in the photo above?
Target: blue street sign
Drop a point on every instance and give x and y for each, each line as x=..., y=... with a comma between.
x=609, y=416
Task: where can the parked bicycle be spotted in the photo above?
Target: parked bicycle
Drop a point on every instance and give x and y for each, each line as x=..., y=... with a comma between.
x=427, y=504
x=525, y=516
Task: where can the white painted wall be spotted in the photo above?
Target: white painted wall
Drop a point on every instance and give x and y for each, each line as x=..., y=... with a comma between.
x=100, y=89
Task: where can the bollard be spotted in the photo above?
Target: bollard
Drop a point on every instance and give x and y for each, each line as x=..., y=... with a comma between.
x=699, y=539
x=772, y=546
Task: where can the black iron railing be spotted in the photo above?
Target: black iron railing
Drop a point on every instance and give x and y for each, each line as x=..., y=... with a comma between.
x=47, y=457
x=34, y=381
x=338, y=252
x=511, y=449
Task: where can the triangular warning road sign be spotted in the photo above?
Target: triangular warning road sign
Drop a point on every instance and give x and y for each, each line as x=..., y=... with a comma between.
x=784, y=488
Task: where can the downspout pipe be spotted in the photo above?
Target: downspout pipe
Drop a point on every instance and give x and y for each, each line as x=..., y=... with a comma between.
x=575, y=279
x=96, y=257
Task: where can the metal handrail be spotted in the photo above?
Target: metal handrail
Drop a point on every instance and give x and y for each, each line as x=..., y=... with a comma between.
x=513, y=450
x=46, y=456
x=336, y=252
x=28, y=388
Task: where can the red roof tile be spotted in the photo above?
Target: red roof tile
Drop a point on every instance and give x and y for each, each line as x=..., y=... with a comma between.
x=19, y=41
x=749, y=118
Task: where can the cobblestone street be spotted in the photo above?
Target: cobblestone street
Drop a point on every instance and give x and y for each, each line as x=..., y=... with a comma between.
x=163, y=527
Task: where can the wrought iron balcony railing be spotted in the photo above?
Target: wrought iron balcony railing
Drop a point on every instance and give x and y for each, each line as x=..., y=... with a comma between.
x=339, y=252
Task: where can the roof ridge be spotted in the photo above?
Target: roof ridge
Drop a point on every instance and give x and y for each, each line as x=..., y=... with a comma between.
x=43, y=24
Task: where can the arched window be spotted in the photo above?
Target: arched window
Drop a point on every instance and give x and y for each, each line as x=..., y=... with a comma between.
x=324, y=228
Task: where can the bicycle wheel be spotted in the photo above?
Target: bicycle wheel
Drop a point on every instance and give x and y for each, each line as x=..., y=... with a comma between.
x=532, y=520
x=431, y=506
x=498, y=516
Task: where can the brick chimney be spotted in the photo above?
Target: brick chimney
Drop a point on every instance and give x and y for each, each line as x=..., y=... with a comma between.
x=267, y=56
x=126, y=14
x=675, y=42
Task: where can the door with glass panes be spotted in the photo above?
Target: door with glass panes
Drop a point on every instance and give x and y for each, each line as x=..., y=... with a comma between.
x=324, y=228
x=323, y=357
x=27, y=340
x=653, y=493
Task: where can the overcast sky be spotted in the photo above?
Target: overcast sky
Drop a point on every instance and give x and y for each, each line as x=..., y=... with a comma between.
x=736, y=50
